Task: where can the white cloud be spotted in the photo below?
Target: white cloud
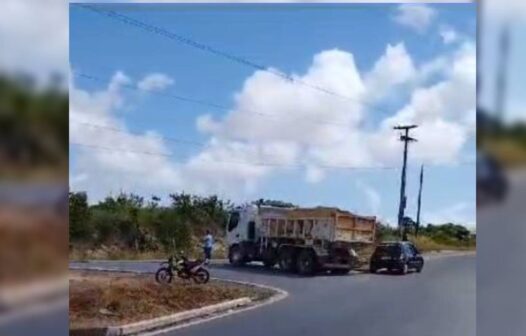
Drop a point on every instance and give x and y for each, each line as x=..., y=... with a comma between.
x=113, y=170
x=34, y=38
x=277, y=125
x=449, y=35
x=393, y=68
x=415, y=16
x=155, y=82
x=444, y=111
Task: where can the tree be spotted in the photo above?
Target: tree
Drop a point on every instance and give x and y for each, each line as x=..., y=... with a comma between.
x=79, y=225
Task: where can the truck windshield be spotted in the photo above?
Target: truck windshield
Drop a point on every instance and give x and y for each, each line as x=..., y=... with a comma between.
x=234, y=220
x=388, y=250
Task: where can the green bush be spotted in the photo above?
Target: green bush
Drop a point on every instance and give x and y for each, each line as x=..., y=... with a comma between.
x=79, y=217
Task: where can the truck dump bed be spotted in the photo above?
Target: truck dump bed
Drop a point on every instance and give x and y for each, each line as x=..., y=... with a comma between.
x=329, y=224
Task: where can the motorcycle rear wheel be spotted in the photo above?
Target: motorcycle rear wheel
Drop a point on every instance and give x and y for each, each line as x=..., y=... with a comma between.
x=201, y=276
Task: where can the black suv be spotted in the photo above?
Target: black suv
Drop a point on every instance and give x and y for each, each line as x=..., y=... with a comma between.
x=492, y=183
x=396, y=256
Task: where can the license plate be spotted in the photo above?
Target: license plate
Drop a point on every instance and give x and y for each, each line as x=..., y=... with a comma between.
x=386, y=258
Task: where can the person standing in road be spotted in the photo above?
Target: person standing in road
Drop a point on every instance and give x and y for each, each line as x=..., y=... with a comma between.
x=208, y=244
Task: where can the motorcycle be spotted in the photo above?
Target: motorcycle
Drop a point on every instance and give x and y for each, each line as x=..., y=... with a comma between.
x=184, y=269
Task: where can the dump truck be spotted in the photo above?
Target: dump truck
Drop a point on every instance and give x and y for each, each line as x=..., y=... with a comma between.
x=302, y=240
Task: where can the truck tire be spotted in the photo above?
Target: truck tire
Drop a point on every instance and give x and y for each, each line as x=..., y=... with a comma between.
x=269, y=259
x=235, y=256
x=306, y=263
x=269, y=263
x=287, y=262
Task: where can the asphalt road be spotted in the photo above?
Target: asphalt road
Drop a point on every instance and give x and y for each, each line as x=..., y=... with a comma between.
x=48, y=319
x=440, y=301
x=501, y=266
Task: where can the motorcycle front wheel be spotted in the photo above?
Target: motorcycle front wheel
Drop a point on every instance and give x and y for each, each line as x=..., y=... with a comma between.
x=163, y=275
x=201, y=276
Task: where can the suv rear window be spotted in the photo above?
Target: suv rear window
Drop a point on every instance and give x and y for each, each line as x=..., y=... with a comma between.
x=387, y=250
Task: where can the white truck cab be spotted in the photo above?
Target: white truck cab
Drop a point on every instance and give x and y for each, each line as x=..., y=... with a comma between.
x=241, y=225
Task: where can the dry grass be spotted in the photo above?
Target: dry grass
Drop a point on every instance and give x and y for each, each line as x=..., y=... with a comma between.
x=33, y=245
x=113, y=252
x=133, y=298
x=510, y=153
x=426, y=244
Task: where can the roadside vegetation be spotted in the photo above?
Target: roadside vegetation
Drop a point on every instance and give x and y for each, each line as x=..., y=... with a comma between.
x=33, y=129
x=505, y=142
x=128, y=226
x=33, y=147
x=432, y=237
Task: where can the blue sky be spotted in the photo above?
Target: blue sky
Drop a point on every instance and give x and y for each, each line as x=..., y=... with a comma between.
x=397, y=59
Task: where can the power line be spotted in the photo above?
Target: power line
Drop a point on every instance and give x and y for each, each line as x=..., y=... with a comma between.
x=265, y=164
x=206, y=103
x=217, y=52
x=137, y=133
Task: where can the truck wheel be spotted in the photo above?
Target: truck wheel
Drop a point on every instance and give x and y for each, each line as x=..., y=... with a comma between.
x=306, y=263
x=269, y=263
x=286, y=260
x=235, y=256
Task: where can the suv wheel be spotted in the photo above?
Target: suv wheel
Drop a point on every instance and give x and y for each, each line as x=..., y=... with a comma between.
x=404, y=269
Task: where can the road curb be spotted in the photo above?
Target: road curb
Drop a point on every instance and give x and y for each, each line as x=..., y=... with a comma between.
x=184, y=319
x=138, y=328
x=445, y=254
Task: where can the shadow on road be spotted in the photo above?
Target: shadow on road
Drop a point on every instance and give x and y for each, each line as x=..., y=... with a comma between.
x=395, y=274
x=260, y=269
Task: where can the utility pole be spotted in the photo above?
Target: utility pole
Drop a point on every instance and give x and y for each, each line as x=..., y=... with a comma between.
x=501, y=89
x=403, y=200
x=419, y=200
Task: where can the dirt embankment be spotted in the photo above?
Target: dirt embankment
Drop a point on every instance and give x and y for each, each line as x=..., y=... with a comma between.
x=33, y=245
x=116, y=252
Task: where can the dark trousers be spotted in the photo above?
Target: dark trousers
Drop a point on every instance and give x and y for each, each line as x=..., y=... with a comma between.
x=208, y=252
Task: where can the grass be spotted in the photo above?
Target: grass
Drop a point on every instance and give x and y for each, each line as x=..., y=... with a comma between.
x=99, y=299
x=510, y=153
